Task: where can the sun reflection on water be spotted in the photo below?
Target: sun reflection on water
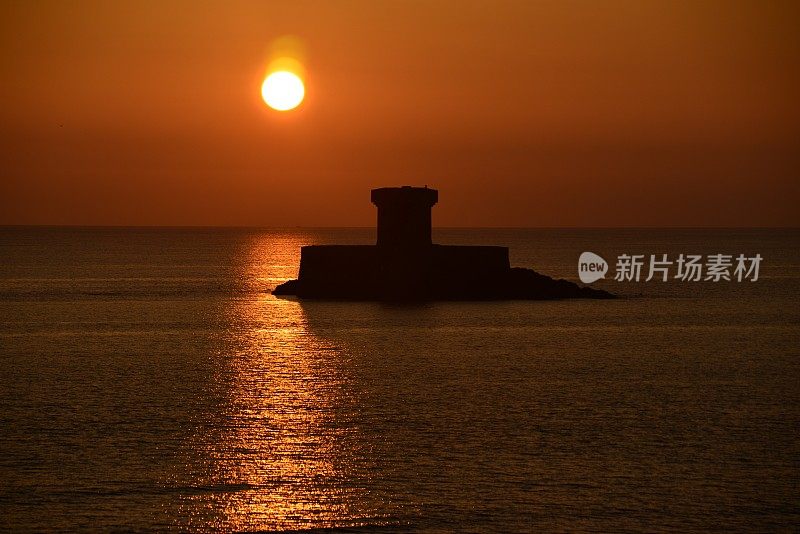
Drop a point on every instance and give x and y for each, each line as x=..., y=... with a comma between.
x=280, y=442
x=277, y=456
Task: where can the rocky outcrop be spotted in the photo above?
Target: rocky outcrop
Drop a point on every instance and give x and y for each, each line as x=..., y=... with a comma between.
x=516, y=284
x=527, y=284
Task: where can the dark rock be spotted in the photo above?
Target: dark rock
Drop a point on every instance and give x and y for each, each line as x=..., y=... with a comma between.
x=289, y=287
x=517, y=284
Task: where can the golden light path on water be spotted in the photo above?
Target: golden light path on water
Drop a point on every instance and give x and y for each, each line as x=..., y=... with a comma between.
x=279, y=456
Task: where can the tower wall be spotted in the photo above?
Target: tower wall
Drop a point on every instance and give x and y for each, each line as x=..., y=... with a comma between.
x=404, y=215
x=369, y=271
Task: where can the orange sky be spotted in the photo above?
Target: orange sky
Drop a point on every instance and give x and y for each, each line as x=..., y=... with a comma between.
x=559, y=113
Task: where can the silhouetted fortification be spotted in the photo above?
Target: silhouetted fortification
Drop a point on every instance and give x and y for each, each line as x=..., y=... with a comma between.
x=405, y=264
x=404, y=215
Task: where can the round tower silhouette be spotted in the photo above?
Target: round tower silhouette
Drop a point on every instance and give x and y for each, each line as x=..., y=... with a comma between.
x=404, y=215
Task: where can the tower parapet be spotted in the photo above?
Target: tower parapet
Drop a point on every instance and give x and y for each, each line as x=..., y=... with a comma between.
x=404, y=215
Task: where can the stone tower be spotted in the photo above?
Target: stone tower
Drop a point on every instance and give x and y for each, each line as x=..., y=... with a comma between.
x=404, y=215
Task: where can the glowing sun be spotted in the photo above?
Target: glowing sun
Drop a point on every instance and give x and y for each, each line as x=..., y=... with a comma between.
x=282, y=90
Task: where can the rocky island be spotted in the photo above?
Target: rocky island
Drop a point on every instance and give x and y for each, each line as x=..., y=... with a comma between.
x=405, y=264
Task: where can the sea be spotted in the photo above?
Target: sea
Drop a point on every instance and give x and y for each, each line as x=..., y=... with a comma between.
x=149, y=381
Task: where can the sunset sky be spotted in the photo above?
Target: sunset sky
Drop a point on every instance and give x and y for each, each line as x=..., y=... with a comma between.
x=562, y=113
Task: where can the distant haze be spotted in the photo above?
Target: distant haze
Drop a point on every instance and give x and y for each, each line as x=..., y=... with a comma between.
x=673, y=113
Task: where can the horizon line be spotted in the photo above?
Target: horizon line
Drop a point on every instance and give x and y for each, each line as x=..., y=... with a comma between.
x=300, y=227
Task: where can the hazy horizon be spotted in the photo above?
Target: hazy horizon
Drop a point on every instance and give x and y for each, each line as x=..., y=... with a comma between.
x=366, y=227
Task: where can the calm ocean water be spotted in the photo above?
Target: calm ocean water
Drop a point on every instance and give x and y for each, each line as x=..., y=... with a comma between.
x=150, y=381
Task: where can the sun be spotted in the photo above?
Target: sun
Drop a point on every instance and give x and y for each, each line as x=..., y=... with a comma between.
x=283, y=90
